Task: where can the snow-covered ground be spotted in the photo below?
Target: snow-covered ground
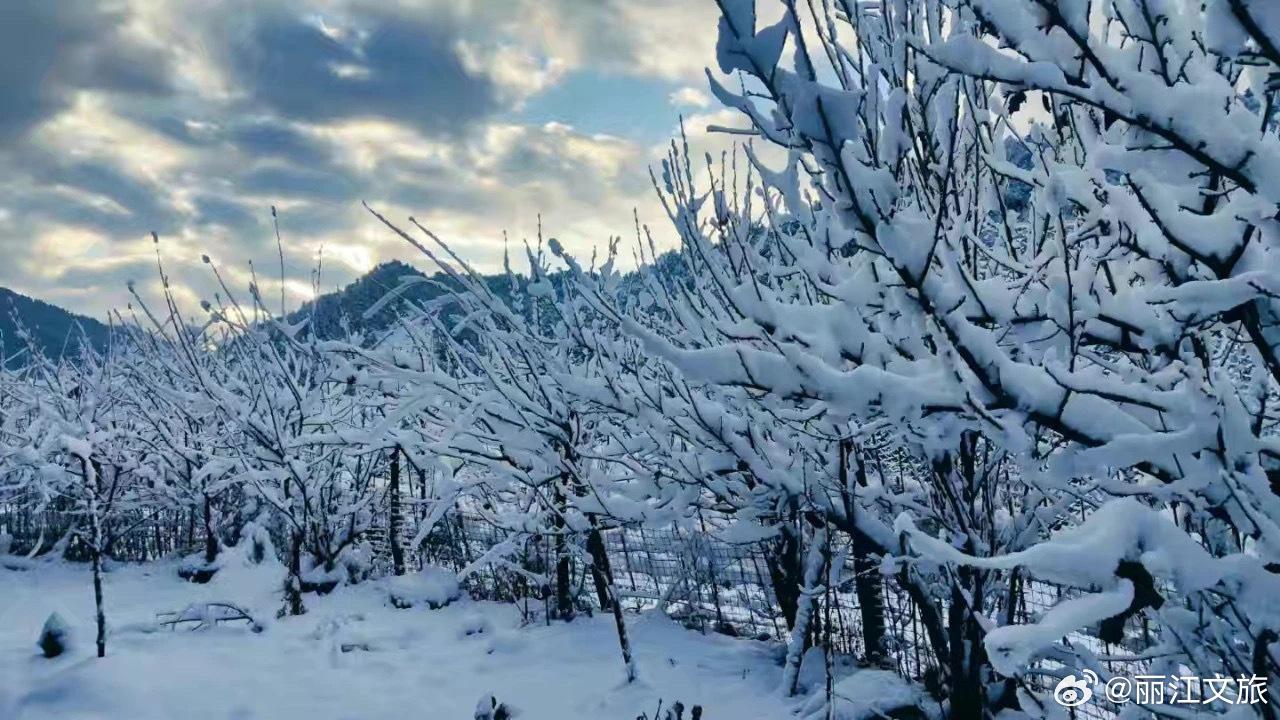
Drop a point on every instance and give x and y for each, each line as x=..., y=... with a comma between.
x=352, y=656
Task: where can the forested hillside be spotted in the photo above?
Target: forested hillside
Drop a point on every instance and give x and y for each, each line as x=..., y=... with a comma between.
x=47, y=327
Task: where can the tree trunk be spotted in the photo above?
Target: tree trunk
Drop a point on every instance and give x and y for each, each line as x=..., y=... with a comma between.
x=930, y=617
x=602, y=574
x=967, y=658
x=785, y=573
x=394, y=519
x=1006, y=696
x=210, y=537
x=99, y=613
x=293, y=583
x=869, y=588
x=867, y=583
x=95, y=551
x=815, y=565
x=564, y=599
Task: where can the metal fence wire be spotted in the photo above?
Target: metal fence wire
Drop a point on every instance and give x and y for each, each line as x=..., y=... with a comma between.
x=700, y=580
x=715, y=586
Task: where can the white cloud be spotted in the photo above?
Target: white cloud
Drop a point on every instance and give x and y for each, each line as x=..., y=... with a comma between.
x=499, y=175
x=671, y=40
x=690, y=97
x=90, y=129
x=517, y=70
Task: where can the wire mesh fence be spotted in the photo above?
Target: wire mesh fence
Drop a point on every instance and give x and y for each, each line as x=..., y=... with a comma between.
x=716, y=586
x=697, y=578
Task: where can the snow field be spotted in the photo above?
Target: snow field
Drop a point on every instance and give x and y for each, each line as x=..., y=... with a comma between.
x=351, y=657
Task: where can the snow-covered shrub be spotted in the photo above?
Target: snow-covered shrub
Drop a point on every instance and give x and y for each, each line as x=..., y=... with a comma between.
x=357, y=562
x=56, y=636
x=675, y=711
x=198, y=569
x=256, y=544
x=488, y=708
x=318, y=579
x=433, y=587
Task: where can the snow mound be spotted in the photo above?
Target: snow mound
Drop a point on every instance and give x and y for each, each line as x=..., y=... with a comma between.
x=474, y=624
x=195, y=568
x=868, y=695
x=434, y=587
x=813, y=669
x=17, y=563
x=506, y=642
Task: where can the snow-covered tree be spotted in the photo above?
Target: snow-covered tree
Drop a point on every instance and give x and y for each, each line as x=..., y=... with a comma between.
x=501, y=399
x=289, y=424
x=1106, y=351
x=73, y=444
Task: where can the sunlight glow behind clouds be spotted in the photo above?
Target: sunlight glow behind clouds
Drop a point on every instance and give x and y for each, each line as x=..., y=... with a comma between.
x=204, y=115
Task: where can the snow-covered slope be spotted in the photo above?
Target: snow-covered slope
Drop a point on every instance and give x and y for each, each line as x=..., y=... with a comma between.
x=351, y=656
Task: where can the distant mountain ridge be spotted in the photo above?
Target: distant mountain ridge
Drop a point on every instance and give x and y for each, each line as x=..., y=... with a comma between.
x=54, y=329
x=352, y=303
x=57, y=332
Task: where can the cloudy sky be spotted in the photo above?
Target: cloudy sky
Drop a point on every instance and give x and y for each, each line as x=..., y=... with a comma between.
x=193, y=117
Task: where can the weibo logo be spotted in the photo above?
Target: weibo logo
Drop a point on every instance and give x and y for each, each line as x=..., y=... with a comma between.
x=1072, y=692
